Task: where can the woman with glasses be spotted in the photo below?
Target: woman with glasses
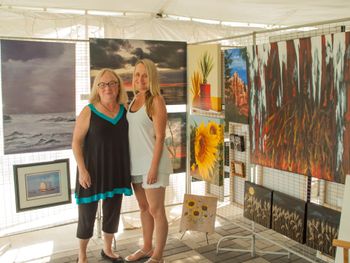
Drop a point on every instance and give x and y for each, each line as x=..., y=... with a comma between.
x=150, y=163
x=101, y=149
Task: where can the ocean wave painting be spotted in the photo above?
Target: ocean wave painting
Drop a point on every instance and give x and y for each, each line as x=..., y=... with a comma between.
x=38, y=132
x=38, y=91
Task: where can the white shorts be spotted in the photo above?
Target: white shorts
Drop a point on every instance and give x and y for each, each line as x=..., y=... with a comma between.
x=162, y=181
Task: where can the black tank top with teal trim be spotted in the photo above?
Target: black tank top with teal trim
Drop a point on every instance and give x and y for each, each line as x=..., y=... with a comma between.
x=106, y=156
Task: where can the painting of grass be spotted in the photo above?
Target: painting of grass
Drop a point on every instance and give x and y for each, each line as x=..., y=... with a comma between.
x=257, y=204
x=322, y=227
x=288, y=216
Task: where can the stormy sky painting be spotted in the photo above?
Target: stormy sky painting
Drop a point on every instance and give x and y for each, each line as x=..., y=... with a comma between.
x=121, y=56
x=38, y=92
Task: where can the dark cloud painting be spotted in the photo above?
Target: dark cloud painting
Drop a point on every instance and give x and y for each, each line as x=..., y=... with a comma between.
x=38, y=91
x=121, y=55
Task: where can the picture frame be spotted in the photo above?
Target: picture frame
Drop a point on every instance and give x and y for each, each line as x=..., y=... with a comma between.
x=44, y=184
x=237, y=142
x=237, y=168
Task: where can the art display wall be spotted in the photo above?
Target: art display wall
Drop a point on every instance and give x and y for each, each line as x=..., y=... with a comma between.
x=296, y=93
x=300, y=104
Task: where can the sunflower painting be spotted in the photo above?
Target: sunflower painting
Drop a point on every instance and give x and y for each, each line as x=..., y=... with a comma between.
x=198, y=213
x=206, y=146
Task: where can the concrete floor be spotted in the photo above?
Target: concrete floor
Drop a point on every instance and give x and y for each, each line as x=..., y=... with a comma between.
x=59, y=244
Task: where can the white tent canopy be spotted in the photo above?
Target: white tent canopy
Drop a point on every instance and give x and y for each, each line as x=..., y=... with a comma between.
x=272, y=12
x=154, y=19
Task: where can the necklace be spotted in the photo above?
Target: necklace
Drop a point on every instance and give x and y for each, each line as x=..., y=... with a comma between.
x=111, y=111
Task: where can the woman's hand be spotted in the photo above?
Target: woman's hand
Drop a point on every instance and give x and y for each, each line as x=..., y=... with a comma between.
x=152, y=176
x=84, y=179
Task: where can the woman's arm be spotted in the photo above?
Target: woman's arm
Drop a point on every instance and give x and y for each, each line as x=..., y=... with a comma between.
x=80, y=130
x=159, y=117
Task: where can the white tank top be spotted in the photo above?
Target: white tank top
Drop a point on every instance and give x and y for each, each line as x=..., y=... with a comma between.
x=142, y=141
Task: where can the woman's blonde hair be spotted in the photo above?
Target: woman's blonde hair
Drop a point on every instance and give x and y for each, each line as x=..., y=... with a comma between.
x=94, y=97
x=154, y=88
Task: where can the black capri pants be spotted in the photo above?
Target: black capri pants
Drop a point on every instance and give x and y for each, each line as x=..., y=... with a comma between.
x=110, y=220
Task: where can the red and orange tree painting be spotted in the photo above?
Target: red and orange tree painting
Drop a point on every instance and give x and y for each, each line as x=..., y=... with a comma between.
x=300, y=105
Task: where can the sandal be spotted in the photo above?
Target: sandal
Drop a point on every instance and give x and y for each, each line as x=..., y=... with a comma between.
x=150, y=260
x=118, y=259
x=138, y=254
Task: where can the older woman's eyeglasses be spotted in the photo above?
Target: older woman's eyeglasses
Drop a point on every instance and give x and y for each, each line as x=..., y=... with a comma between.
x=111, y=84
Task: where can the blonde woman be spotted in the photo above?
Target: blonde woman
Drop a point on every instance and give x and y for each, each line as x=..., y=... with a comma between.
x=101, y=149
x=150, y=163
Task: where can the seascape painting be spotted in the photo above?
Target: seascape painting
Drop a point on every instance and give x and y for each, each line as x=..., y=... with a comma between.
x=175, y=140
x=236, y=85
x=207, y=149
x=299, y=104
x=122, y=54
x=38, y=91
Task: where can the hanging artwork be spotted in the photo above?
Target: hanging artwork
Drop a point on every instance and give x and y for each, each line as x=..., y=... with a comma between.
x=198, y=213
x=38, y=91
x=236, y=85
x=227, y=153
x=40, y=185
x=122, y=54
x=204, y=77
x=237, y=168
x=237, y=142
x=206, y=148
x=322, y=226
x=257, y=203
x=175, y=140
x=300, y=105
x=288, y=216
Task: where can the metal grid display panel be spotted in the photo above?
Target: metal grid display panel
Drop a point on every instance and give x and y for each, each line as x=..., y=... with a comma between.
x=323, y=192
x=334, y=194
x=291, y=184
x=237, y=183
